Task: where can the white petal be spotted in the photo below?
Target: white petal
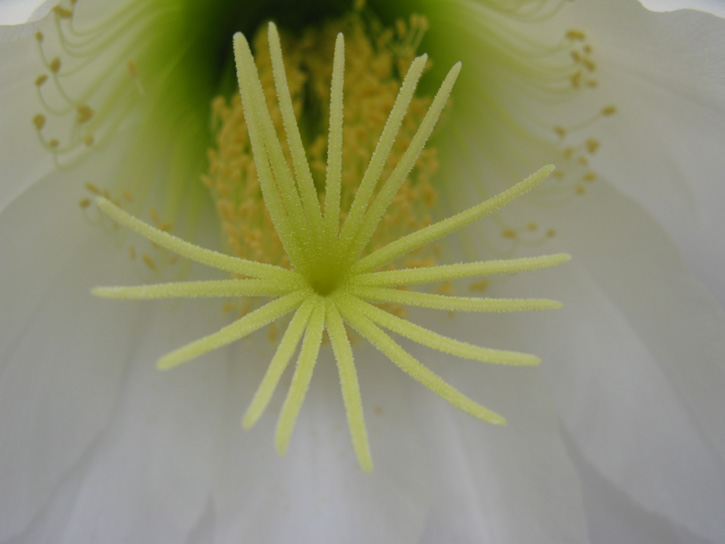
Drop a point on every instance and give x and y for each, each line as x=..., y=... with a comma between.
x=61, y=358
x=148, y=479
x=16, y=12
x=317, y=493
x=614, y=517
x=497, y=484
x=663, y=148
x=716, y=7
x=635, y=359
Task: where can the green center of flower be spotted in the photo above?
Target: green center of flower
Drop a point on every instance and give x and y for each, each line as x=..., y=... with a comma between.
x=328, y=284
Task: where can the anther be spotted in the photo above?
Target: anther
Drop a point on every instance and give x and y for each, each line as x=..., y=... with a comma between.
x=40, y=80
x=83, y=114
x=62, y=12
x=575, y=35
x=55, y=65
x=149, y=261
x=93, y=189
x=39, y=121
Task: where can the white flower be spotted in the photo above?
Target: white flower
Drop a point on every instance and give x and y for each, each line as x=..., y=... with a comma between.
x=617, y=437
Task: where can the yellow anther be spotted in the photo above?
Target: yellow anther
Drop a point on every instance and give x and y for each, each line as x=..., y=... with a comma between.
x=551, y=233
x=592, y=145
x=589, y=177
x=420, y=263
x=84, y=114
x=39, y=36
x=575, y=35
x=93, y=189
x=84, y=203
x=579, y=190
x=89, y=140
x=55, y=65
x=560, y=131
x=532, y=227
x=446, y=288
x=54, y=144
x=272, y=332
x=589, y=64
x=149, y=261
x=400, y=28
x=39, y=121
x=609, y=110
x=509, y=233
x=40, y=80
x=132, y=68
x=62, y=13
x=479, y=286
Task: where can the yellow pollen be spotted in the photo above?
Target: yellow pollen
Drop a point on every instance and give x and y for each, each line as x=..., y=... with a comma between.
x=131, y=67
x=39, y=121
x=84, y=114
x=373, y=73
x=62, y=12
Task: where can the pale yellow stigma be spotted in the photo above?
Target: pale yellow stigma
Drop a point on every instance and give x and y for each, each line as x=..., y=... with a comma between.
x=328, y=284
x=373, y=75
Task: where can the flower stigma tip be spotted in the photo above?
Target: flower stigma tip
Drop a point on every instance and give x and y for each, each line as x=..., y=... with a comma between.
x=331, y=277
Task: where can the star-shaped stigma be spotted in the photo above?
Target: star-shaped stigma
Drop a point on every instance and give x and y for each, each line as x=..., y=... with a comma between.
x=329, y=284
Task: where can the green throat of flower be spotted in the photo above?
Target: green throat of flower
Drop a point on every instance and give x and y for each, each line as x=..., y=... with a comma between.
x=328, y=284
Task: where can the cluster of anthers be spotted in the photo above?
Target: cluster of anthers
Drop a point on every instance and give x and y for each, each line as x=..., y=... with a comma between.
x=329, y=285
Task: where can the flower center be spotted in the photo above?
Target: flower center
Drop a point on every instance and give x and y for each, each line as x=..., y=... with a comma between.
x=323, y=251
x=375, y=64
